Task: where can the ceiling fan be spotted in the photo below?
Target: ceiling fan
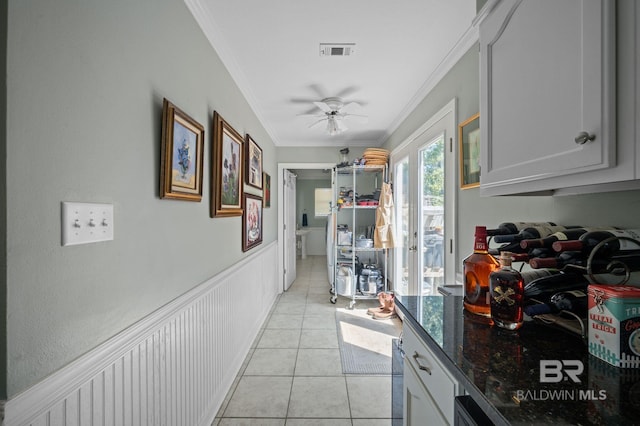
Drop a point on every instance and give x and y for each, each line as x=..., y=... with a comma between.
x=334, y=111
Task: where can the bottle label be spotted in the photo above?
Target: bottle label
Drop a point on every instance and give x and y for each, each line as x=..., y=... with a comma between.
x=546, y=230
x=628, y=233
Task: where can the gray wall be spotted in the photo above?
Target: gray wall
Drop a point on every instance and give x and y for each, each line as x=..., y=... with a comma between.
x=462, y=82
x=84, y=101
x=3, y=197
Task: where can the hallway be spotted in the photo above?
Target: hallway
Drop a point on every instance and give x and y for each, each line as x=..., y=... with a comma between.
x=293, y=374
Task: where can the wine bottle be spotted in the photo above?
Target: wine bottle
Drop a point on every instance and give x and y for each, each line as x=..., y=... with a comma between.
x=532, y=232
x=507, y=295
x=543, y=288
x=599, y=265
x=508, y=228
x=477, y=267
x=575, y=301
x=587, y=242
x=547, y=242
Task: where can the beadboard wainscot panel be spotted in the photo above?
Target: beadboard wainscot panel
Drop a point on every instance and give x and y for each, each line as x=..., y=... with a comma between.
x=173, y=367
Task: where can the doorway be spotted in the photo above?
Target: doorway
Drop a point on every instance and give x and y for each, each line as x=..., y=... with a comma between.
x=287, y=220
x=424, y=181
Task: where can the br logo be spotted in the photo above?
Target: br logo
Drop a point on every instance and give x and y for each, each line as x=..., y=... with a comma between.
x=555, y=371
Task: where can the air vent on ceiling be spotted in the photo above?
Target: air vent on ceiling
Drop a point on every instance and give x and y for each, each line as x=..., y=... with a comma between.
x=337, y=49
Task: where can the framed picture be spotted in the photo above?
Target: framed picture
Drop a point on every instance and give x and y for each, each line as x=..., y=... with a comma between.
x=469, y=137
x=266, y=179
x=181, y=156
x=226, y=188
x=253, y=165
x=251, y=222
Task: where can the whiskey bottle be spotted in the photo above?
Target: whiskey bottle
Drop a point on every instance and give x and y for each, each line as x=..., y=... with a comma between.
x=476, y=268
x=507, y=295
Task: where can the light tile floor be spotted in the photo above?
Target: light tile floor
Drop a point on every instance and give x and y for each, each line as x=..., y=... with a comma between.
x=293, y=374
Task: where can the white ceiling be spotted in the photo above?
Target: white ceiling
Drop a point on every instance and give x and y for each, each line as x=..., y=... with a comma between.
x=271, y=49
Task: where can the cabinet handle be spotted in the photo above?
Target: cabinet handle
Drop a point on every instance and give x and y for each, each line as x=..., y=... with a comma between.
x=420, y=366
x=584, y=137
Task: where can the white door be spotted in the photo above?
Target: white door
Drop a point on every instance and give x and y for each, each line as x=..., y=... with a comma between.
x=289, y=193
x=424, y=184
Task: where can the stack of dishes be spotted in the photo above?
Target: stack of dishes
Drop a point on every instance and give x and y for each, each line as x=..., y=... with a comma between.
x=376, y=156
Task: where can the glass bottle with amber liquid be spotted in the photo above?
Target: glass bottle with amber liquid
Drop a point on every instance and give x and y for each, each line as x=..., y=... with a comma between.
x=507, y=295
x=477, y=268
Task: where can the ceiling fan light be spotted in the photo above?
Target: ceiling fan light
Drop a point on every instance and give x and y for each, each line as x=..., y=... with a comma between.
x=334, y=126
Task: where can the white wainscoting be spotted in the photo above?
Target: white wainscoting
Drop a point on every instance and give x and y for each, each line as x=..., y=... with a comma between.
x=173, y=367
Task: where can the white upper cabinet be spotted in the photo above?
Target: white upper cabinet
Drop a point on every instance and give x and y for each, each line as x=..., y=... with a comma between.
x=548, y=81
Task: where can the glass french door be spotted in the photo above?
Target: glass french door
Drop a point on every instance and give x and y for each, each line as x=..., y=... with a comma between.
x=424, y=192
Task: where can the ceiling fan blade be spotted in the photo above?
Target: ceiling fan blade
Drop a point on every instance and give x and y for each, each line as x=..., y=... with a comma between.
x=351, y=107
x=323, y=106
x=319, y=90
x=357, y=118
x=318, y=122
x=347, y=91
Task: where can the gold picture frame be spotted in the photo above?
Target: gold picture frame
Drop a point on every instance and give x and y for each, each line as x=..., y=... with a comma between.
x=181, y=159
x=227, y=177
x=469, y=141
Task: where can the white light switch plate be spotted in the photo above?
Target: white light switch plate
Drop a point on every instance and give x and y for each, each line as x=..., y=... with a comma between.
x=84, y=223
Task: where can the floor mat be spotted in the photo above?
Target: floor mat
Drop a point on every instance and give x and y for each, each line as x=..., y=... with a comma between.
x=365, y=343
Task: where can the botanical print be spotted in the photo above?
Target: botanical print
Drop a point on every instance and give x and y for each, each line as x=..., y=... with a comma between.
x=255, y=165
x=252, y=222
x=254, y=213
x=183, y=167
x=267, y=190
x=474, y=151
x=230, y=169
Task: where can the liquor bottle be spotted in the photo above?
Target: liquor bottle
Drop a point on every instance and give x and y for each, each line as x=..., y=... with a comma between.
x=508, y=228
x=507, y=295
x=588, y=241
x=477, y=267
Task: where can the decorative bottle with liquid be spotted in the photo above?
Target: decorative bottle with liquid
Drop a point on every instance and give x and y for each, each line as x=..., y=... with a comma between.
x=477, y=268
x=507, y=295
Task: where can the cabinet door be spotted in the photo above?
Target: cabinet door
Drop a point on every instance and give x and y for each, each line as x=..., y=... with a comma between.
x=419, y=407
x=547, y=75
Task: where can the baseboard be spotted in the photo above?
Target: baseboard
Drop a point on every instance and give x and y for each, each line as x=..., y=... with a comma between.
x=173, y=367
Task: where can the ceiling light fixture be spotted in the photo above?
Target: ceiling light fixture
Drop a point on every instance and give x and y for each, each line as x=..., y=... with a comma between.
x=335, y=125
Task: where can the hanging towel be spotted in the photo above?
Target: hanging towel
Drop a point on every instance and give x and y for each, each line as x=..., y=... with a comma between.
x=383, y=236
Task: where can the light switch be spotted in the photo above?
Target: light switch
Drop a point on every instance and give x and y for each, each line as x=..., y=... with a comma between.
x=84, y=223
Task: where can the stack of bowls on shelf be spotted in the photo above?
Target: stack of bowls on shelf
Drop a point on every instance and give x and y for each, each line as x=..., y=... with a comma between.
x=375, y=156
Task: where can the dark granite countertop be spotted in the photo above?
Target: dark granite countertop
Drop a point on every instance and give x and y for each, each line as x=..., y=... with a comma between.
x=501, y=370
